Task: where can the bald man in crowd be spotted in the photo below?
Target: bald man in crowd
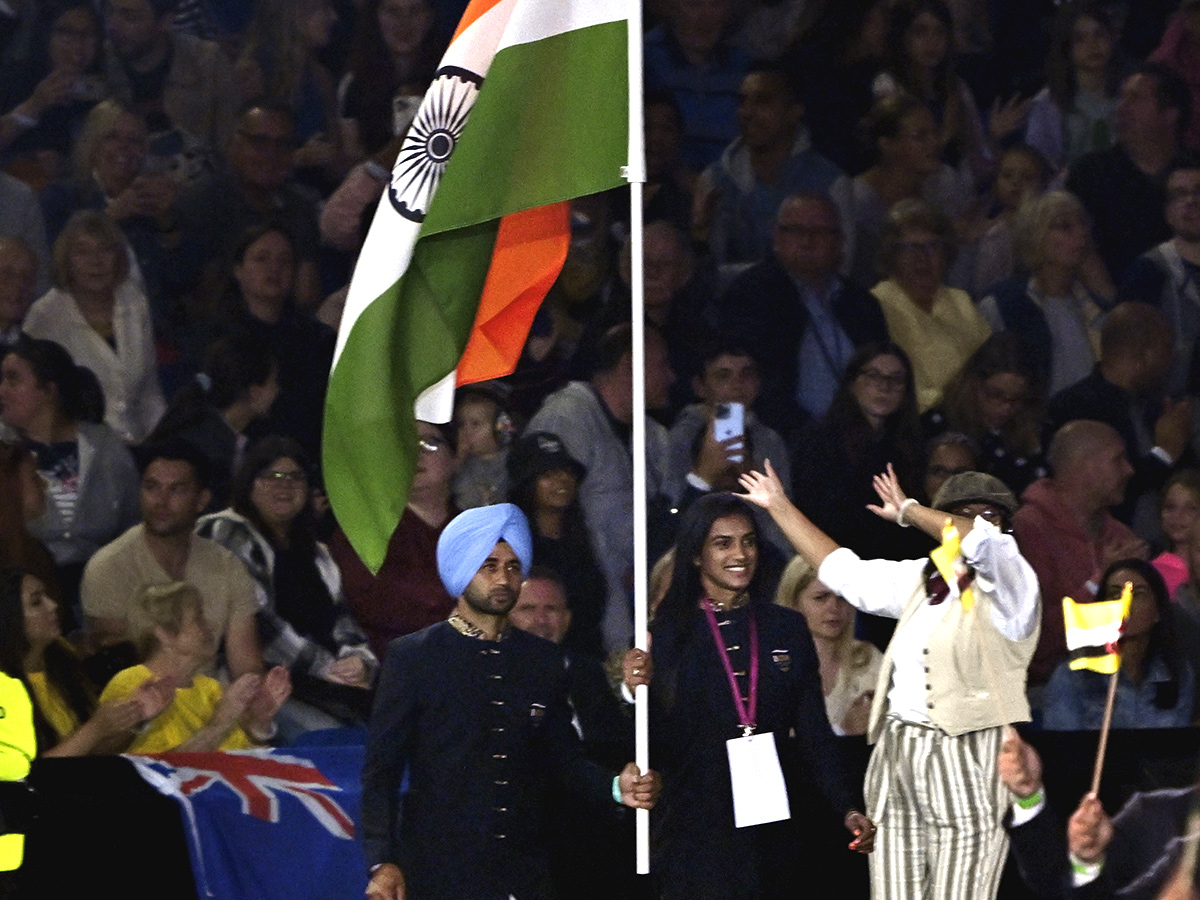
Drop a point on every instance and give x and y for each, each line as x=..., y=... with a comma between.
x=476, y=712
x=1066, y=530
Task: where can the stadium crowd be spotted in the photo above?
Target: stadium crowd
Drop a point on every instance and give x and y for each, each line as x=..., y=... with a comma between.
x=930, y=257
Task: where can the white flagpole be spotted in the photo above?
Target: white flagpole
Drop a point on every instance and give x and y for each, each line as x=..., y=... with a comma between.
x=635, y=174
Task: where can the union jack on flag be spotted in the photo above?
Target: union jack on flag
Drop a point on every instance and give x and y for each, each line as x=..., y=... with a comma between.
x=268, y=823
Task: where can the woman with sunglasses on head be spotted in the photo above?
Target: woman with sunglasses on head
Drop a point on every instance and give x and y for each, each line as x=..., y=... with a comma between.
x=303, y=624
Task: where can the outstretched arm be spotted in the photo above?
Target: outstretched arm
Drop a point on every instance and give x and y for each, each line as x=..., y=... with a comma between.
x=896, y=507
x=766, y=490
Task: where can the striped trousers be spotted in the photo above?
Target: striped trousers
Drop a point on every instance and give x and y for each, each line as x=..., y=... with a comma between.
x=939, y=804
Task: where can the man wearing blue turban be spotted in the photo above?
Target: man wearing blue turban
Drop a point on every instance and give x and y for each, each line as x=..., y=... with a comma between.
x=476, y=713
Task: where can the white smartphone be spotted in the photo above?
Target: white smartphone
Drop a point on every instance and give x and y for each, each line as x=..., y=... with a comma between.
x=729, y=421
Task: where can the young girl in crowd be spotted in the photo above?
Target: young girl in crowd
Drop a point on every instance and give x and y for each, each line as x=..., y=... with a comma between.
x=484, y=430
x=201, y=714
x=1076, y=112
x=1022, y=173
x=1178, y=514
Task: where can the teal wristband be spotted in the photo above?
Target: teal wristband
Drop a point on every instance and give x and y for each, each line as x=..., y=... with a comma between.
x=617, y=788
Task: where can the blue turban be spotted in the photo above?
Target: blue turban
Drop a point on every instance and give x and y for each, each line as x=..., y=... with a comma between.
x=468, y=540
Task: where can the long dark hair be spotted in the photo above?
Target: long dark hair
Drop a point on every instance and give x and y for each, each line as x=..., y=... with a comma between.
x=1162, y=644
x=77, y=387
x=900, y=19
x=575, y=532
x=902, y=428
x=1060, y=71
x=680, y=607
x=63, y=670
x=301, y=534
x=374, y=73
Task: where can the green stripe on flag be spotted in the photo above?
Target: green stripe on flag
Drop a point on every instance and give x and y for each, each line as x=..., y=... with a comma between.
x=551, y=123
x=404, y=342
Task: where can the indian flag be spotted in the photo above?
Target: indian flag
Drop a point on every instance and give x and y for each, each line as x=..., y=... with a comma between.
x=1093, y=630
x=528, y=109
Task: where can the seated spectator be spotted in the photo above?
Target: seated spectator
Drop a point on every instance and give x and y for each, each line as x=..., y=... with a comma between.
x=1022, y=173
x=920, y=62
x=88, y=475
x=691, y=58
x=261, y=306
x=1076, y=113
x=484, y=428
x=995, y=401
x=114, y=173
x=406, y=594
x=802, y=319
x=1179, y=511
x=771, y=159
x=255, y=187
x=871, y=423
x=1165, y=276
x=18, y=287
x=849, y=667
x=1155, y=683
x=67, y=716
x=46, y=99
x=100, y=317
x=392, y=61
x=1126, y=391
x=545, y=481
x=302, y=619
x=236, y=387
x=1067, y=532
x=1122, y=187
x=1051, y=308
x=593, y=419
x=946, y=455
x=161, y=549
x=181, y=85
x=667, y=195
x=937, y=326
x=177, y=647
x=279, y=60
x=907, y=165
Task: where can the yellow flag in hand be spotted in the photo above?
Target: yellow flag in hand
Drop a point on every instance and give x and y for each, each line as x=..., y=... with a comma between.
x=1093, y=630
x=951, y=565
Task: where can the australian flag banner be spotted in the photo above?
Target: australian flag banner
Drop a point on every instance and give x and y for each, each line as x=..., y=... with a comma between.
x=268, y=824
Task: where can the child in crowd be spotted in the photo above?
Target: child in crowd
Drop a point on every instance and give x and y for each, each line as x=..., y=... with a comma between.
x=203, y=715
x=484, y=430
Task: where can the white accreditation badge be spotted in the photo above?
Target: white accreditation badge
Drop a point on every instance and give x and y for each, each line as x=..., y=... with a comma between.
x=759, y=793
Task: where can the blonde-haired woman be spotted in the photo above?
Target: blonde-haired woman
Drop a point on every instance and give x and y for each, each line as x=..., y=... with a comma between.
x=849, y=667
x=1051, y=307
x=102, y=319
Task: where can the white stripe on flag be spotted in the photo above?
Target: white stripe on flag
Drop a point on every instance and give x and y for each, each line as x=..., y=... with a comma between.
x=1097, y=636
x=535, y=21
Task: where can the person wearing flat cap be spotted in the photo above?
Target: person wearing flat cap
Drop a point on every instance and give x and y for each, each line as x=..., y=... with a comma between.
x=952, y=677
x=476, y=713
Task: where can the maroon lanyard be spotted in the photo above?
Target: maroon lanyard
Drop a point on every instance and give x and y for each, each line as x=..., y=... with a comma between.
x=746, y=713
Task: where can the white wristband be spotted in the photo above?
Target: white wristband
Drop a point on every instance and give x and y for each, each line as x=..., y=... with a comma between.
x=902, y=510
